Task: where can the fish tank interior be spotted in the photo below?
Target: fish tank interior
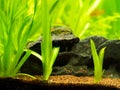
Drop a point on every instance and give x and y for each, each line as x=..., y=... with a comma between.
x=86, y=18
x=58, y=40
x=90, y=18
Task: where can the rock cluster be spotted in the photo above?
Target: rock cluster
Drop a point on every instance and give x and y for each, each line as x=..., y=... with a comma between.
x=75, y=56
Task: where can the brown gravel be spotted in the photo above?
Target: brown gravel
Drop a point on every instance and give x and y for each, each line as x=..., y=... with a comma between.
x=70, y=79
x=59, y=82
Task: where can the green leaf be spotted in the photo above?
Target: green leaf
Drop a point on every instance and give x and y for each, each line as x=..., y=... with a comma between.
x=22, y=61
x=101, y=56
x=54, y=56
x=95, y=55
x=98, y=61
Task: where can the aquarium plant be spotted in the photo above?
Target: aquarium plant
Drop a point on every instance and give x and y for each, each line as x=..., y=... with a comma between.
x=105, y=20
x=83, y=20
x=17, y=27
x=98, y=61
x=76, y=14
x=49, y=53
x=112, y=11
x=89, y=17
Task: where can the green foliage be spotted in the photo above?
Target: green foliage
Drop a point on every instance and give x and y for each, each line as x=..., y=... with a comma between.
x=101, y=26
x=89, y=17
x=105, y=20
x=22, y=21
x=76, y=14
x=17, y=27
x=98, y=61
x=49, y=54
x=112, y=8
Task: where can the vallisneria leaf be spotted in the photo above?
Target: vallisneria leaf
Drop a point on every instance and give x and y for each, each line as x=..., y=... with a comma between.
x=16, y=28
x=37, y=55
x=95, y=55
x=55, y=52
x=98, y=61
x=49, y=53
x=101, y=56
x=22, y=61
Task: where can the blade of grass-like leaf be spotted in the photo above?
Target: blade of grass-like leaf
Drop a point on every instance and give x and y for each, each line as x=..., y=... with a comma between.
x=3, y=23
x=35, y=5
x=8, y=51
x=93, y=6
x=94, y=54
x=24, y=58
x=46, y=39
x=3, y=37
x=101, y=56
x=53, y=6
x=26, y=23
x=46, y=32
x=35, y=54
x=47, y=56
x=24, y=74
x=22, y=43
x=55, y=14
x=36, y=28
x=97, y=67
x=51, y=62
x=2, y=3
x=20, y=12
x=1, y=66
x=54, y=55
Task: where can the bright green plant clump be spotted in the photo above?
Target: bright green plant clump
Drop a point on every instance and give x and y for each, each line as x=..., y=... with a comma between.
x=48, y=54
x=17, y=27
x=98, y=61
x=23, y=21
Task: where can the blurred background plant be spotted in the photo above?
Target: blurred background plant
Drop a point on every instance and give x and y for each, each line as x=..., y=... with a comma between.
x=89, y=17
x=76, y=15
x=105, y=20
x=112, y=15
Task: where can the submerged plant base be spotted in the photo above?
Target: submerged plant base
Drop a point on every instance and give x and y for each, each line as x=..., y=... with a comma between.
x=59, y=82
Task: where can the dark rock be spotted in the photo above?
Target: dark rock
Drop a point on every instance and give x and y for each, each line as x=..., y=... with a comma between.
x=118, y=67
x=79, y=56
x=83, y=50
x=70, y=70
x=61, y=37
x=97, y=39
x=112, y=52
x=32, y=66
x=111, y=72
x=70, y=58
x=75, y=57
